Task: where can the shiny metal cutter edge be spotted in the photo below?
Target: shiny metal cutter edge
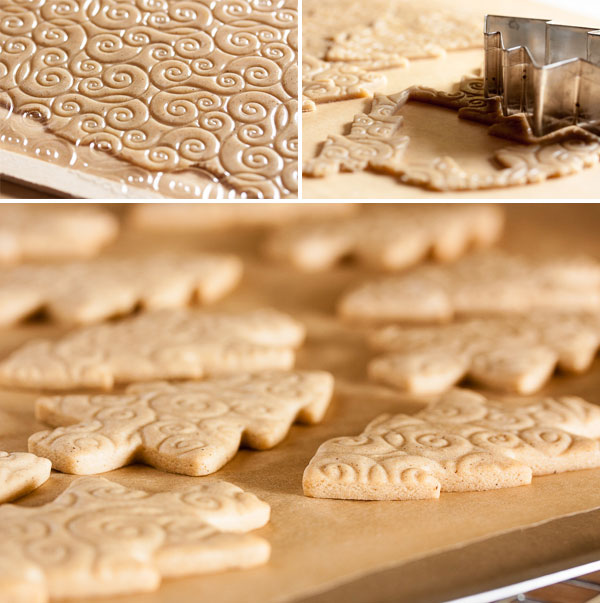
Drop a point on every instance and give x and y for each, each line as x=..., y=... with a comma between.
x=548, y=71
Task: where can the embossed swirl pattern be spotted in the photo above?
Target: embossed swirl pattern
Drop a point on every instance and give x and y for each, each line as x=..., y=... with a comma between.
x=165, y=84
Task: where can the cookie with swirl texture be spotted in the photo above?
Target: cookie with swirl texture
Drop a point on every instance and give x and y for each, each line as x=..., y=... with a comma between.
x=463, y=442
x=98, y=538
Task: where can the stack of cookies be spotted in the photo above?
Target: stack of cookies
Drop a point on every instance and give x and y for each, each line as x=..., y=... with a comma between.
x=114, y=363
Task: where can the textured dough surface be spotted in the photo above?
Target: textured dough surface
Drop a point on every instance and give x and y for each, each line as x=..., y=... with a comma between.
x=167, y=86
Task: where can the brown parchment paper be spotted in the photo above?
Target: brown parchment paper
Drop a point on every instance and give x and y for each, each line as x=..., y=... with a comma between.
x=435, y=131
x=320, y=544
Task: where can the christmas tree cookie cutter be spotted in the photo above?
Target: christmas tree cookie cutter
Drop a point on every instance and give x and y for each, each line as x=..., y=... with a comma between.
x=548, y=71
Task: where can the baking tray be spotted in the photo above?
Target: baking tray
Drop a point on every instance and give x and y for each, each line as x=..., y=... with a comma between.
x=326, y=550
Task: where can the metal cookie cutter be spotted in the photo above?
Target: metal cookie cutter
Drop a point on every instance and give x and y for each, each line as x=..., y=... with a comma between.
x=548, y=71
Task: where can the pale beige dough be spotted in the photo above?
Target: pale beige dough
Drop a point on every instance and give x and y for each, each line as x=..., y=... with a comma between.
x=377, y=142
x=20, y=473
x=388, y=239
x=206, y=87
x=115, y=540
x=485, y=283
x=33, y=232
x=342, y=40
x=85, y=292
x=167, y=344
x=189, y=428
x=516, y=354
x=463, y=442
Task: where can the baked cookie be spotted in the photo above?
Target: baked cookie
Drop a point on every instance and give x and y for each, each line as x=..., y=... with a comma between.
x=512, y=353
x=464, y=442
x=34, y=232
x=220, y=216
x=85, y=292
x=20, y=473
x=189, y=428
x=99, y=538
x=486, y=283
x=388, y=239
x=167, y=344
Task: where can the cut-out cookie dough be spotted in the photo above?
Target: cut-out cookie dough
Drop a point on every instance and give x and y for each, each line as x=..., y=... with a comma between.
x=189, y=428
x=515, y=354
x=31, y=232
x=168, y=344
x=20, y=473
x=415, y=32
x=84, y=292
x=485, y=283
x=99, y=538
x=376, y=142
x=388, y=239
x=220, y=216
x=464, y=442
x=166, y=86
x=343, y=40
x=324, y=81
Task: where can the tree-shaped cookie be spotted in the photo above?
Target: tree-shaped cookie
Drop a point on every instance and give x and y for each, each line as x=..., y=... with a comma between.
x=516, y=353
x=99, y=538
x=84, y=292
x=20, y=473
x=388, y=239
x=491, y=282
x=464, y=442
x=33, y=232
x=168, y=344
x=190, y=428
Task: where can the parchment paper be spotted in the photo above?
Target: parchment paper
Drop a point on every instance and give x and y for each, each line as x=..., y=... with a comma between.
x=318, y=544
x=435, y=131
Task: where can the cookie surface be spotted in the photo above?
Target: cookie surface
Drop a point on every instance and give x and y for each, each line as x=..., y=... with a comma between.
x=388, y=239
x=218, y=216
x=30, y=232
x=464, y=442
x=485, y=283
x=115, y=540
x=516, y=354
x=20, y=473
x=167, y=344
x=85, y=292
x=189, y=428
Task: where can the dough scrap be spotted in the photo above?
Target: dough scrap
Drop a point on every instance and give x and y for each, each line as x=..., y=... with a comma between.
x=376, y=142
